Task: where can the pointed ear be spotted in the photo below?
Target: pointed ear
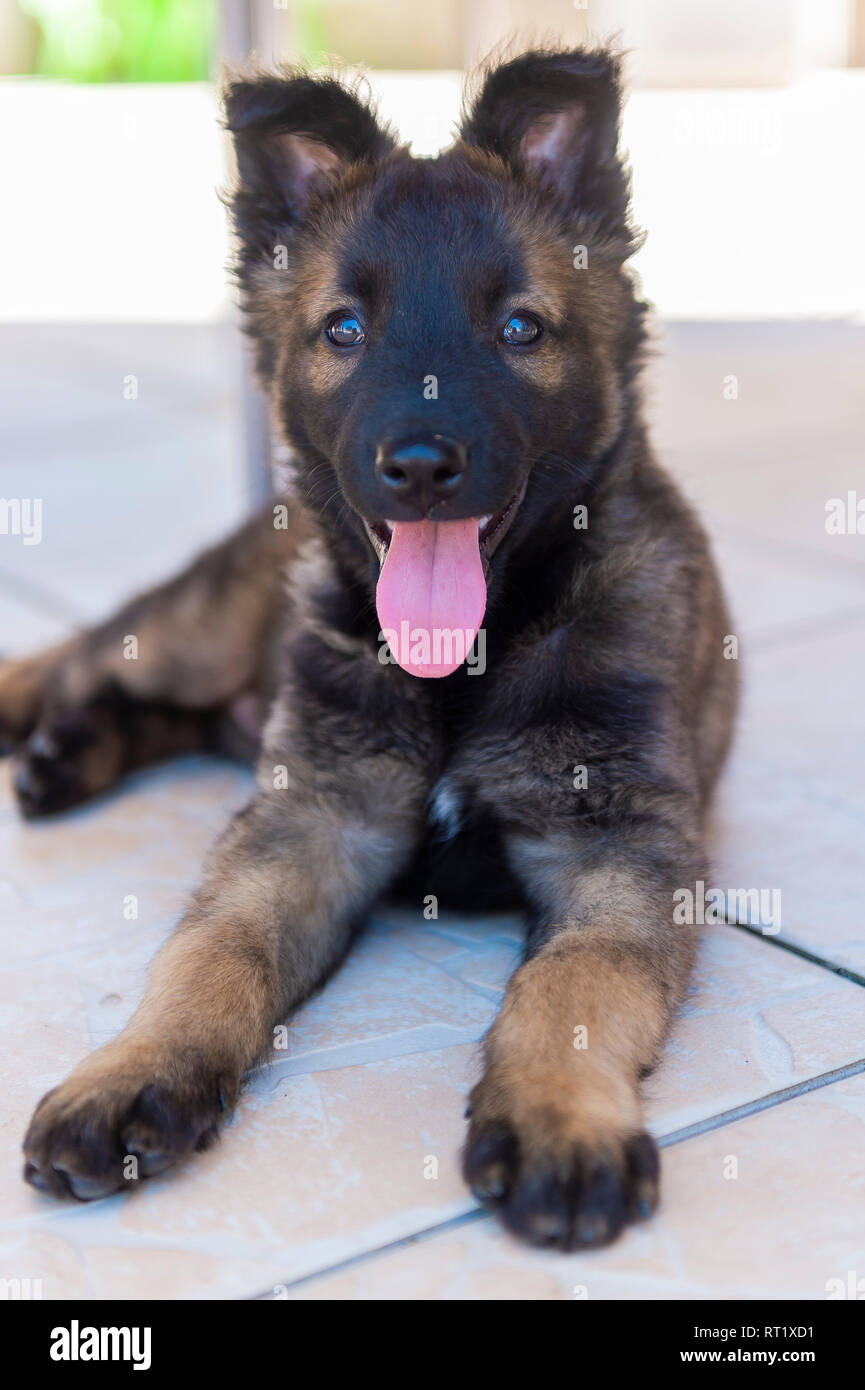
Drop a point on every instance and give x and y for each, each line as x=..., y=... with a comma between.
x=555, y=118
x=293, y=138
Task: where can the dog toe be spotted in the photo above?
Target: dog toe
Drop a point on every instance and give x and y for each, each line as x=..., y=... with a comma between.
x=551, y=1191
x=103, y=1129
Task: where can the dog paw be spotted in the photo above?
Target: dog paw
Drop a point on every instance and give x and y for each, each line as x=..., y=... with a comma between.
x=551, y=1187
x=123, y=1117
x=68, y=758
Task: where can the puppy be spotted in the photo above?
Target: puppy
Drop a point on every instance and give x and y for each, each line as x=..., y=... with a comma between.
x=484, y=639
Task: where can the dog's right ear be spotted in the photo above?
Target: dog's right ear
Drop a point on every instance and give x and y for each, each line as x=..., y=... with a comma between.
x=293, y=138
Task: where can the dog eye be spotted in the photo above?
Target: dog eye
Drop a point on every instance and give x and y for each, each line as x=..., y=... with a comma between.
x=521, y=329
x=346, y=330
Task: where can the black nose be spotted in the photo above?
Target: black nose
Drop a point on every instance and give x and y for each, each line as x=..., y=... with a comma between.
x=421, y=471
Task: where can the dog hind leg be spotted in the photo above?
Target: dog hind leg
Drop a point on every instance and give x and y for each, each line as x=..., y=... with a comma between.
x=158, y=678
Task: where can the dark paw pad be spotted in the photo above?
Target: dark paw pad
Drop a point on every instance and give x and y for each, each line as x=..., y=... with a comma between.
x=568, y=1196
x=88, y=1141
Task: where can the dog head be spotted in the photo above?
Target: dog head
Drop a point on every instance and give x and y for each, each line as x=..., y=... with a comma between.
x=448, y=343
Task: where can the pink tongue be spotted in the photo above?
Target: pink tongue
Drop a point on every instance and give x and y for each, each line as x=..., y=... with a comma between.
x=431, y=594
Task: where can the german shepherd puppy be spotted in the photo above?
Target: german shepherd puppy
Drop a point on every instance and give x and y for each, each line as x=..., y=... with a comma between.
x=451, y=347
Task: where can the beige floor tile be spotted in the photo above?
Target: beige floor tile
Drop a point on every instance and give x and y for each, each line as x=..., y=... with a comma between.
x=798, y=842
x=761, y=467
x=130, y=1272
x=788, y=1224
x=794, y=381
x=46, y=1265
x=108, y=531
x=782, y=499
x=331, y=1150
x=791, y=809
x=385, y=1001
x=804, y=711
x=130, y=489
x=98, y=918
x=316, y=1168
x=44, y=1026
x=775, y=599
x=330, y=1153
x=758, y=1020
x=155, y=828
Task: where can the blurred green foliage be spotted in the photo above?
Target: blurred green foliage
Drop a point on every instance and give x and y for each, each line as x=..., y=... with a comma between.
x=125, y=40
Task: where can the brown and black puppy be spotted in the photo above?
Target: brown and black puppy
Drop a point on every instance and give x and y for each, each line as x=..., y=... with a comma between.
x=451, y=347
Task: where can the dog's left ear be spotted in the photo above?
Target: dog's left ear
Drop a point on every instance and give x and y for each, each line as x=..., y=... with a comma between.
x=555, y=118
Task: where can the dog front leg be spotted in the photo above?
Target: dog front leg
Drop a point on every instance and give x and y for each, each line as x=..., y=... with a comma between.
x=287, y=885
x=557, y=1143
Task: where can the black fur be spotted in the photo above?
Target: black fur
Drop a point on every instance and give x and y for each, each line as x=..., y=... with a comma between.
x=604, y=646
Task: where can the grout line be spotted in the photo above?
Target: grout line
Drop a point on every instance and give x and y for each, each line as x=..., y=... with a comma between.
x=768, y=1102
x=364, y=1256
x=800, y=951
x=666, y=1141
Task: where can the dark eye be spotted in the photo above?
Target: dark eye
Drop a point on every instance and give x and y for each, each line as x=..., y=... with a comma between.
x=346, y=330
x=521, y=329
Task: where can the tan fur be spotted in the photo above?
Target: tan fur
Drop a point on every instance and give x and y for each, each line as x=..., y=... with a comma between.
x=22, y=686
x=610, y=657
x=557, y=1095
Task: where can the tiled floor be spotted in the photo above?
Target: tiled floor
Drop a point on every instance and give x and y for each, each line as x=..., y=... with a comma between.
x=338, y=1178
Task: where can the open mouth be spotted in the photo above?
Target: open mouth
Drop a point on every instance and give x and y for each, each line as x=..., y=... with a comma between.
x=431, y=594
x=491, y=529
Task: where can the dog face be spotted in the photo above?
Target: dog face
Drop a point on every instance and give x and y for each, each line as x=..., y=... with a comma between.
x=448, y=343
